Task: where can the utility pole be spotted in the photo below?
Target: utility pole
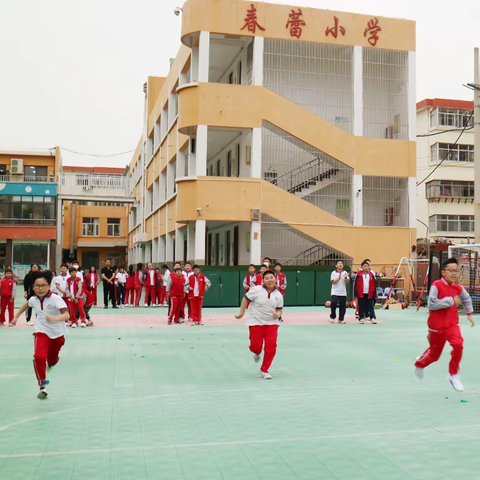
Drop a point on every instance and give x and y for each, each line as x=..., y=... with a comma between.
x=476, y=120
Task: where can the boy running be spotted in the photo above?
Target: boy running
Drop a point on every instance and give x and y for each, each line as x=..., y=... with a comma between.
x=265, y=308
x=443, y=301
x=50, y=328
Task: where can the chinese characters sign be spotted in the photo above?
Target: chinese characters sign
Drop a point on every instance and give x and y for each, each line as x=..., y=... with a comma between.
x=295, y=22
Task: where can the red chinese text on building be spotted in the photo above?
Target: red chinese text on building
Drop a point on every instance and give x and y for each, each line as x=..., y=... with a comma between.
x=372, y=29
x=295, y=23
x=334, y=30
x=251, y=20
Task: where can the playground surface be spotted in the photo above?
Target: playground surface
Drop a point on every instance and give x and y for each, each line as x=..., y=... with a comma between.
x=133, y=398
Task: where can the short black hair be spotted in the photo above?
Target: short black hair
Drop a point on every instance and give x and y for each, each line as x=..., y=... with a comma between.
x=64, y=265
x=252, y=265
x=8, y=270
x=268, y=272
x=121, y=266
x=139, y=266
x=196, y=266
x=264, y=266
x=177, y=269
x=365, y=262
x=165, y=266
x=72, y=269
x=267, y=258
x=188, y=263
x=177, y=263
x=278, y=264
x=45, y=274
x=449, y=261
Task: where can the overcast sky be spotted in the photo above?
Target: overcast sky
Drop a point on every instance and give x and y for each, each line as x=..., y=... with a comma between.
x=72, y=71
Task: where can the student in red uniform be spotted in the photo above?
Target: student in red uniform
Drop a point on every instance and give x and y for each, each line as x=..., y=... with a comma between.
x=150, y=284
x=138, y=284
x=75, y=295
x=280, y=282
x=176, y=292
x=169, y=280
x=250, y=279
x=198, y=284
x=92, y=279
x=365, y=291
x=444, y=298
x=259, y=276
x=8, y=291
x=187, y=273
x=50, y=328
x=159, y=287
x=88, y=302
x=130, y=287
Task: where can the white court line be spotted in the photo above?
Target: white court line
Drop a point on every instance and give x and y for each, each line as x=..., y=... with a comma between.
x=240, y=442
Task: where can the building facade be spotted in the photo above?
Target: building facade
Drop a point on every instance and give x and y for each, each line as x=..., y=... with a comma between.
x=445, y=170
x=278, y=131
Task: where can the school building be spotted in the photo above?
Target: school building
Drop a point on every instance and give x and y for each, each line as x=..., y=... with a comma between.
x=279, y=131
x=445, y=171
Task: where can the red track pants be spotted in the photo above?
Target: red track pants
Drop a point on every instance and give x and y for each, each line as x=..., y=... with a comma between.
x=4, y=304
x=195, y=309
x=72, y=306
x=46, y=350
x=437, y=340
x=130, y=296
x=150, y=294
x=260, y=334
x=138, y=294
x=176, y=303
x=94, y=293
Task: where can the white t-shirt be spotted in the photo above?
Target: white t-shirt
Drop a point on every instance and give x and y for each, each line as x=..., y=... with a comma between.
x=166, y=276
x=121, y=278
x=50, y=305
x=263, y=305
x=366, y=282
x=340, y=288
x=62, y=281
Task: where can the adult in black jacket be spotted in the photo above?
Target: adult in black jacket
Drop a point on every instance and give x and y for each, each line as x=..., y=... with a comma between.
x=28, y=286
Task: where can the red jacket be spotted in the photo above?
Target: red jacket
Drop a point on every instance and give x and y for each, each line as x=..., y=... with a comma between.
x=8, y=287
x=201, y=285
x=259, y=279
x=177, y=288
x=87, y=298
x=159, y=281
x=130, y=281
x=445, y=317
x=280, y=279
x=88, y=278
x=75, y=287
x=137, y=282
x=146, y=278
x=371, y=286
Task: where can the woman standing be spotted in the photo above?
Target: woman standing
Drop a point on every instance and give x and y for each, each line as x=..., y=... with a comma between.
x=130, y=287
x=138, y=283
x=92, y=281
x=28, y=286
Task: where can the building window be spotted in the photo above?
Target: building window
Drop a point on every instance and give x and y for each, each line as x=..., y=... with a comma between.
x=113, y=227
x=90, y=227
x=452, y=152
x=24, y=254
x=451, y=117
x=3, y=170
x=450, y=189
x=26, y=210
x=452, y=223
x=34, y=171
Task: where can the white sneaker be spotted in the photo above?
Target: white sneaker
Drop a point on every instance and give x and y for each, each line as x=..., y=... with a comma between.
x=419, y=372
x=374, y=321
x=256, y=358
x=146, y=306
x=69, y=323
x=42, y=394
x=74, y=325
x=455, y=382
x=342, y=322
x=331, y=320
x=361, y=321
x=83, y=325
x=154, y=306
x=265, y=375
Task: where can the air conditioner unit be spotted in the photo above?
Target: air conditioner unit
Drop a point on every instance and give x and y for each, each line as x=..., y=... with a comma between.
x=255, y=214
x=140, y=238
x=16, y=166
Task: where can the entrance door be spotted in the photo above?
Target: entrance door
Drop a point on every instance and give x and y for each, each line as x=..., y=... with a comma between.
x=90, y=259
x=235, y=245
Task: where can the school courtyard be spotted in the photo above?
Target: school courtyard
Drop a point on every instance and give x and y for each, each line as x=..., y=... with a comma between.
x=135, y=399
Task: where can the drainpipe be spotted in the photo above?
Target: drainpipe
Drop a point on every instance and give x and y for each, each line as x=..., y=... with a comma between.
x=72, y=230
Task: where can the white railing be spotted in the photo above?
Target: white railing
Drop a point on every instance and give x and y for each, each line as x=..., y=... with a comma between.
x=19, y=178
x=95, y=185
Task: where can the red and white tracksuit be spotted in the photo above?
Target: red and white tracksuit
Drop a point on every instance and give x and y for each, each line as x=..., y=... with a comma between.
x=177, y=293
x=196, y=293
x=130, y=289
x=249, y=281
x=186, y=298
x=443, y=324
x=75, y=291
x=8, y=290
x=258, y=279
x=159, y=289
x=92, y=282
x=150, y=284
x=280, y=281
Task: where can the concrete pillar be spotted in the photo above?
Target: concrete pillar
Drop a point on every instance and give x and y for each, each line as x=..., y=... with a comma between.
x=412, y=97
x=256, y=160
x=191, y=241
x=412, y=202
x=358, y=91
x=179, y=243
x=201, y=151
x=255, y=243
x=200, y=240
x=257, y=67
x=204, y=57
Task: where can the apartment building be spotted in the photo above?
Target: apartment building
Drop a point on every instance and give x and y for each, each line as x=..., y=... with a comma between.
x=28, y=191
x=279, y=131
x=445, y=170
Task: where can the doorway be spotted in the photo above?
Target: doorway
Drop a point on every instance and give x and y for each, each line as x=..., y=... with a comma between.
x=90, y=259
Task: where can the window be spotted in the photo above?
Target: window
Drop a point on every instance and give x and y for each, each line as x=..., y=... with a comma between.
x=219, y=164
x=34, y=171
x=28, y=253
x=3, y=170
x=230, y=78
x=238, y=159
x=90, y=227
x=113, y=227
x=451, y=117
x=450, y=189
x=229, y=164
x=239, y=79
x=114, y=257
x=452, y=152
x=27, y=210
x=452, y=223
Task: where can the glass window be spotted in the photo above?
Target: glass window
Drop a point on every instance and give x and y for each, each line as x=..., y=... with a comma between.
x=452, y=223
x=450, y=188
x=27, y=199
x=451, y=117
x=35, y=171
x=90, y=227
x=113, y=227
x=37, y=199
x=3, y=169
x=27, y=253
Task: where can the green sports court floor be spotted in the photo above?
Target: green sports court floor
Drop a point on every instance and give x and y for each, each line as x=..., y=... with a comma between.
x=136, y=402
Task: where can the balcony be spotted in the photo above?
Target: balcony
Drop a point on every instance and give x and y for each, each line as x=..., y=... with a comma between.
x=80, y=186
x=450, y=191
x=42, y=222
x=27, y=179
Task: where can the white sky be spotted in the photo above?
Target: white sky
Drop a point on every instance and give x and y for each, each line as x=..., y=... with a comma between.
x=72, y=71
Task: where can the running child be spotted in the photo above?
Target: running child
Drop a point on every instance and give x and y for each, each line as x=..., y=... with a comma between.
x=8, y=291
x=339, y=280
x=176, y=292
x=50, y=328
x=250, y=279
x=444, y=298
x=198, y=284
x=265, y=304
x=75, y=296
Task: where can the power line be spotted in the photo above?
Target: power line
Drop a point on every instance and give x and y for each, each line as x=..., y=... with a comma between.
x=449, y=151
x=444, y=131
x=96, y=154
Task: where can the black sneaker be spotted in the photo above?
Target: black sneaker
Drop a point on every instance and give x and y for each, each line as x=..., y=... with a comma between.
x=105, y=308
x=115, y=306
x=169, y=322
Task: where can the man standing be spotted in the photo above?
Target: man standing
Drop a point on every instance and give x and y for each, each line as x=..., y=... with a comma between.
x=339, y=279
x=108, y=275
x=265, y=304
